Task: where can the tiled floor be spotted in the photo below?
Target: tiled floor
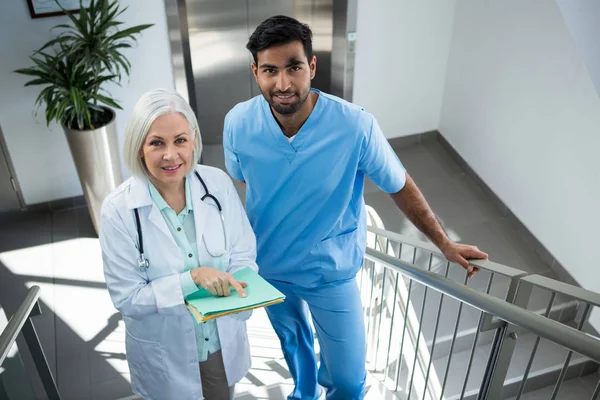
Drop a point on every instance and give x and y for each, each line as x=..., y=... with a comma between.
x=83, y=335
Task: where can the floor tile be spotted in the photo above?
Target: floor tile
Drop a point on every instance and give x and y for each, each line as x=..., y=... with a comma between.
x=498, y=238
x=423, y=164
x=73, y=372
x=84, y=223
x=112, y=389
x=33, y=230
x=64, y=225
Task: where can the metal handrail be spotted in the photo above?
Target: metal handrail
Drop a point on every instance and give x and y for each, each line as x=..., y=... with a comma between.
x=563, y=335
x=483, y=264
x=574, y=292
x=16, y=322
x=21, y=322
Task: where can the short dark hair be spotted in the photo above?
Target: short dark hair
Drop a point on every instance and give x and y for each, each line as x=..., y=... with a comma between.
x=278, y=30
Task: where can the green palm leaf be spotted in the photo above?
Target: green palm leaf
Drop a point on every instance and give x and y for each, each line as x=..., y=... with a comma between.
x=76, y=64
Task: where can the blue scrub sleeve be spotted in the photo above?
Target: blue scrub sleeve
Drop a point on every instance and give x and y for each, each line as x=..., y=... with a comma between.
x=187, y=284
x=232, y=163
x=379, y=161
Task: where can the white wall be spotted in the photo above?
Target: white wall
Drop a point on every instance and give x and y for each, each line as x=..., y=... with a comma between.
x=401, y=56
x=582, y=18
x=521, y=109
x=41, y=156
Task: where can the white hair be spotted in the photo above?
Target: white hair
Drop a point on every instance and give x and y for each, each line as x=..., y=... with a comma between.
x=149, y=107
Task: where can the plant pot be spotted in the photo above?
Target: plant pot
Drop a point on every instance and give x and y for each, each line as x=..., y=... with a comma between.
x=96, y=156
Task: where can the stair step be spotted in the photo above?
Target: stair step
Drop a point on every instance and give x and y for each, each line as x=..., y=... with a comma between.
x=577, y=389
x=546, y=366
x=563, y=310
x=375, y=390
x=378, y=391
x=545, y=370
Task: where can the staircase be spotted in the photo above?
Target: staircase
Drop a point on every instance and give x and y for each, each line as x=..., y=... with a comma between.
x=458, y=339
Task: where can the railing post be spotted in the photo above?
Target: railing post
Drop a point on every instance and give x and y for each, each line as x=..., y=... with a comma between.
x=502, y=349
x=3, y=394
x=39, y=359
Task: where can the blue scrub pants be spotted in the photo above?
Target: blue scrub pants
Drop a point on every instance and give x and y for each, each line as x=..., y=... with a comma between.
x=338, y=319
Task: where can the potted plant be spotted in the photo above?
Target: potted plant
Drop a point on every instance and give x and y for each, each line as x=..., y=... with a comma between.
x=74, y=67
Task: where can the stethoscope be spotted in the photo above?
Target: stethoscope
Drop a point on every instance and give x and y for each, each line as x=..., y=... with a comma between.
x=143, y=262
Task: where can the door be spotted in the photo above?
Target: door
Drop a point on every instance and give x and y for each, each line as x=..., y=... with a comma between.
x=10, y=196
x=217, y=32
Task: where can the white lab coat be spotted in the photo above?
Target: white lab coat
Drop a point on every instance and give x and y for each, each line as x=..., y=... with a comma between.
x=160, y=337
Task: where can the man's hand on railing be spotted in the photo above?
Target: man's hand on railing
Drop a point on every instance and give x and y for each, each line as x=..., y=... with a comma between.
x=412, y=203
x=461, y=253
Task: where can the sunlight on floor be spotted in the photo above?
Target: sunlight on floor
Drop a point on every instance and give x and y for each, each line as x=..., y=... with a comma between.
x=71, y=279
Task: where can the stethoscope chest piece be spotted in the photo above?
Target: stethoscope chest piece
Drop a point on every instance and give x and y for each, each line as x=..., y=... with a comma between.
x=143, y=263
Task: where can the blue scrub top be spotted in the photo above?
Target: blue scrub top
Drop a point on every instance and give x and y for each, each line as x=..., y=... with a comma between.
x=304, y=199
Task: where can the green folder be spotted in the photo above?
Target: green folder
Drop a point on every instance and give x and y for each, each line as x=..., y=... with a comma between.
x=205, y=306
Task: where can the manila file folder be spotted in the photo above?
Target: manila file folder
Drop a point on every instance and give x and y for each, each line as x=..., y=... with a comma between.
x=205, y=306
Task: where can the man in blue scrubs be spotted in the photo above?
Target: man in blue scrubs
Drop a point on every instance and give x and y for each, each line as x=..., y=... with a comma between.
x=304, y=155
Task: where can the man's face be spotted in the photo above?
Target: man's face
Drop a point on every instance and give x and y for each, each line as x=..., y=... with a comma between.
x=283, y=74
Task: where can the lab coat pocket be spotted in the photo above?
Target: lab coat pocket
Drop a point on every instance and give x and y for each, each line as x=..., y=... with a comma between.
x=147, y=366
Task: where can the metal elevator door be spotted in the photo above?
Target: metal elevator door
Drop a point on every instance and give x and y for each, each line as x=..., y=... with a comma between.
x=218, y=32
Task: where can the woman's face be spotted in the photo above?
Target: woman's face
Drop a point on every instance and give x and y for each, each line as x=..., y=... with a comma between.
x=167, y=149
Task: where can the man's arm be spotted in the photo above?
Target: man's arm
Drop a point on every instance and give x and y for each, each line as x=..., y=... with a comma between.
x=412, y=203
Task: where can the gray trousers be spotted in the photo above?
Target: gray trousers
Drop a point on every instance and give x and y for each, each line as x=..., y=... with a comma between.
x=214, y=380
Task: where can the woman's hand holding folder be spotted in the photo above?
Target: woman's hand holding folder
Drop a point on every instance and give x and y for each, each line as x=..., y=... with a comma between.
x=217, y=282
x=204, y=305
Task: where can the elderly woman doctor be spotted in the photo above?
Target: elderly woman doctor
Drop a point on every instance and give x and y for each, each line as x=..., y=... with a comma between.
x=167, y=231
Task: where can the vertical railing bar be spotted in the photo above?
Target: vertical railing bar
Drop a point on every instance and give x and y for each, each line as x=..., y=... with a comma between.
x=403, y=333
x=596, y=392
x=568, y=360
x=369, y=309
x=453, y=342
x=584, y=316
x=490, y=283
x=387, y=247
x=400, y=248
x=410, y=283
x=387, y=360
x=489, y=287
x=370, y=312
x=39, y=359
x=412, y=375
x=380, y=315
x=435, y=332
x=534, y=351
x=474, y=347
x=387, y=250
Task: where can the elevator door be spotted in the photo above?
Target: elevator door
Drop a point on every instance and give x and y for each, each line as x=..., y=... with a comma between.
x=218, y=32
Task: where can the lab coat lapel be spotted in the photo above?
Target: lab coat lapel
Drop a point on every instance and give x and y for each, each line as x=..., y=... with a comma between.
x=139, y=196
x=156, y=218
